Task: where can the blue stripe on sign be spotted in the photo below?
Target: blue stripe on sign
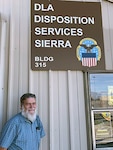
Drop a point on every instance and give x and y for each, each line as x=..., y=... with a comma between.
x=88, y=55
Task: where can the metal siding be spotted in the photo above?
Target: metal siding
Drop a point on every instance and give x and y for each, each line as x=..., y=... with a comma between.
x=74, y=117
x=107, y=11
x=60, y=94
x=3, y=77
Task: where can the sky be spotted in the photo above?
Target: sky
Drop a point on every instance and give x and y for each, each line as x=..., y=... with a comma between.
x=99, y=83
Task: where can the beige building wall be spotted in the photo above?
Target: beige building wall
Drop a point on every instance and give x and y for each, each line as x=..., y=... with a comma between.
x=60, y=94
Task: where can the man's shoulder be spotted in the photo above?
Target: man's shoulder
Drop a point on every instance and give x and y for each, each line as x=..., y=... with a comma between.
x=15, y=119
x=37, y=118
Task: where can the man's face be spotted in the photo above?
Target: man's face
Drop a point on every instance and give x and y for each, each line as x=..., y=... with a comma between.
x=29, y=105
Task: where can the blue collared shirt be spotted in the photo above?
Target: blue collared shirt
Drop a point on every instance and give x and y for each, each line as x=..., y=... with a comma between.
x=20, y=134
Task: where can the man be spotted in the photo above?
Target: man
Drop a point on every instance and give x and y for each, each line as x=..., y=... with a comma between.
x=24, y=130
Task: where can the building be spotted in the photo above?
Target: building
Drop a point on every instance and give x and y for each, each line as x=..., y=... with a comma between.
x=63, y=97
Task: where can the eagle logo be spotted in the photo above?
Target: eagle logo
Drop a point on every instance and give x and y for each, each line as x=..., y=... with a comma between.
x=88, y=52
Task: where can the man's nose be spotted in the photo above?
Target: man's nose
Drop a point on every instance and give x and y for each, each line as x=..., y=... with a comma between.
x=31, y=105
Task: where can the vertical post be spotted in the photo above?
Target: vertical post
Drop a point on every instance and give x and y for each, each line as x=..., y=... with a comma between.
x=3, y=25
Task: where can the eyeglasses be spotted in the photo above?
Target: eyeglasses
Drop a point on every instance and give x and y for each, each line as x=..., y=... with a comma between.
x=29, y=104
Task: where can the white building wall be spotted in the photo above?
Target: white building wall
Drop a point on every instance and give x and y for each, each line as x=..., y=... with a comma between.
x=60, y=94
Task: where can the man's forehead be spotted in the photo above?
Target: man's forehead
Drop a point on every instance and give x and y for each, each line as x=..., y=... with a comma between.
x=30, y=99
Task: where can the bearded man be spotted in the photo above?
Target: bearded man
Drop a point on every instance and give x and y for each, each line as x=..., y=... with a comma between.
x=25, y=130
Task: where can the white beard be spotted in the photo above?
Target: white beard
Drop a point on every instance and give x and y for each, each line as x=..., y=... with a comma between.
x=26, y=114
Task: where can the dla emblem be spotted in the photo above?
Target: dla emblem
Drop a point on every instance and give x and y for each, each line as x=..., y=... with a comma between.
x=88, y=52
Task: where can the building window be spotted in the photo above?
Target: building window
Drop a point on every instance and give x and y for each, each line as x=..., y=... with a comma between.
x=101, y=98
